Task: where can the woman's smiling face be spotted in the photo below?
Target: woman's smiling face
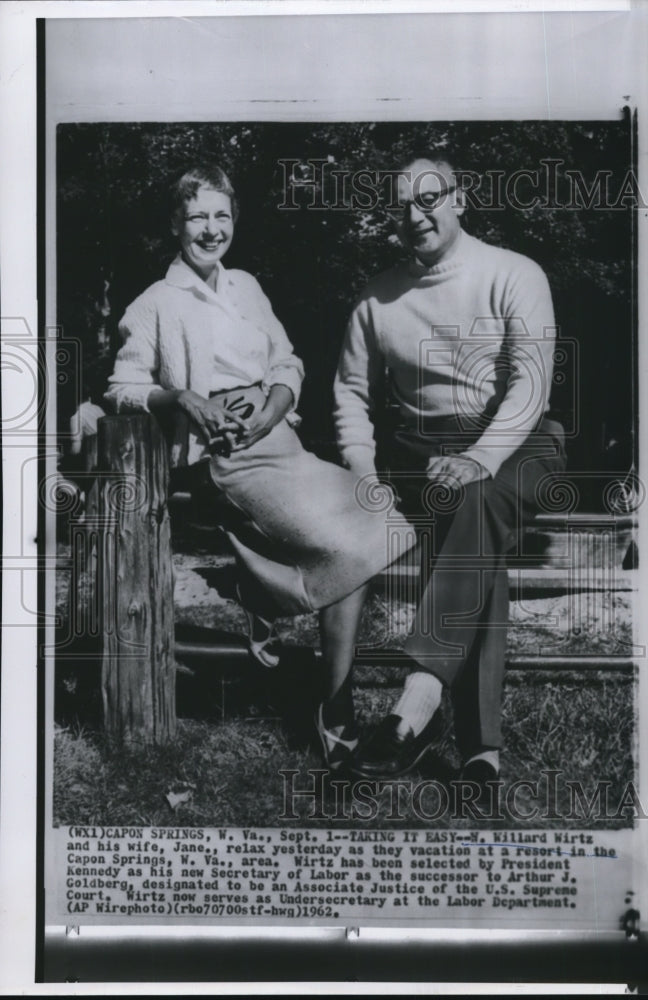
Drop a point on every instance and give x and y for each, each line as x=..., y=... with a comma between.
x=205, y=227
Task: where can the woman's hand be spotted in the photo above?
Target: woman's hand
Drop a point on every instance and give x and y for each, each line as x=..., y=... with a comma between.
x=212, y=418
x=277, y=405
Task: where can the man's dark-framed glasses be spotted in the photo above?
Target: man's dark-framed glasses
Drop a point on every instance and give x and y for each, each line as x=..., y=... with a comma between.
x=426, y=202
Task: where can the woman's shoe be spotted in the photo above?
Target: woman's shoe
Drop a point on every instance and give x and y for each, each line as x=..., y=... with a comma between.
x=263, y=642
x=337, y=750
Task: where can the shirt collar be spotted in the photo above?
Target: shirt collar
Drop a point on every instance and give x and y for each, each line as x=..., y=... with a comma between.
x=181, y=275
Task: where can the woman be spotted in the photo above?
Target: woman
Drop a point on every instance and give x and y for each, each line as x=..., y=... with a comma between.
x=203, y=350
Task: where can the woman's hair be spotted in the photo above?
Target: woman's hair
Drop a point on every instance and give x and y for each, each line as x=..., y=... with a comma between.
x=201, y=175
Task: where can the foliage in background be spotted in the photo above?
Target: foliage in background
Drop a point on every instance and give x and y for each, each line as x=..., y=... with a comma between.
x=112, y=226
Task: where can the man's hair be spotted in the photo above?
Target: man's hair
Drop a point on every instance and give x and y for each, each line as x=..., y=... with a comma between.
x=439, y=157
x=200, y=175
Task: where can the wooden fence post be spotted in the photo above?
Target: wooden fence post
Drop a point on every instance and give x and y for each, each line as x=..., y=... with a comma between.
x=138, y=658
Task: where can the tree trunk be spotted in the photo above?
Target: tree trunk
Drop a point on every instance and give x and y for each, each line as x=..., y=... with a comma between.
x=138, y=662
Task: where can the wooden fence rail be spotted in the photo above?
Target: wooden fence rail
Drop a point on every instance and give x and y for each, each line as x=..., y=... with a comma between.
x=128, y=513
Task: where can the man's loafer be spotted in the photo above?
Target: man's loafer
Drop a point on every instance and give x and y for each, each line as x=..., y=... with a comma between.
x=479, y=772
x=482, y=776
x=387, y=754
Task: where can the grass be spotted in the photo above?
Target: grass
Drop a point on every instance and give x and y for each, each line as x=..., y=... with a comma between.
x=226, y=760
x=226, y=766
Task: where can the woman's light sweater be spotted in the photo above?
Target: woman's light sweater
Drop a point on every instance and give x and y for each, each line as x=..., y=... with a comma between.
x=470, y=336
x=181, y=334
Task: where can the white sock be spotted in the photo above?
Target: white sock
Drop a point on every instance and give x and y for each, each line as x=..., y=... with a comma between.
x=490, y=756
x=419, y=701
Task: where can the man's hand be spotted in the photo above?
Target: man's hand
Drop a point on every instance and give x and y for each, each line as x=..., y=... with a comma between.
x=277, y=405
x=455, y=470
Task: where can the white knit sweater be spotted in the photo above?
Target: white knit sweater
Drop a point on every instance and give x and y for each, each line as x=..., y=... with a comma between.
x=472, y=334
x=180, y=334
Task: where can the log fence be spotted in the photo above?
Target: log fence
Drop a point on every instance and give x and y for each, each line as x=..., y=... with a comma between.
x=127, y=517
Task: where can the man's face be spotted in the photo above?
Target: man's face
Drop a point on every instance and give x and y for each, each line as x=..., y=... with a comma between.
x=205, y=228
x=427, y=222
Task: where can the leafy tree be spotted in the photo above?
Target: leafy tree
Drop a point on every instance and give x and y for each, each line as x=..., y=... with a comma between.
x=113, y=240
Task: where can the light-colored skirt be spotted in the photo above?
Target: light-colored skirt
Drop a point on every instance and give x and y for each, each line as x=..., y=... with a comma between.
x=308, y=532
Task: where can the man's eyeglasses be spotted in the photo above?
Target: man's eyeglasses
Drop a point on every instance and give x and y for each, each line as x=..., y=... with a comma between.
x=426, y=202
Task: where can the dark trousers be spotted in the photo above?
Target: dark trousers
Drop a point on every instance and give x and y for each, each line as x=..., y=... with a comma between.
x=459, y=633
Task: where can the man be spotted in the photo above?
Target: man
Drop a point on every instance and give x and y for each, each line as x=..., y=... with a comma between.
x=465, y=332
